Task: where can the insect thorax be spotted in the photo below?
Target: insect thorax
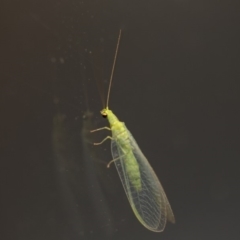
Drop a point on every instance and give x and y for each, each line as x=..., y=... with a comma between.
x=113, y=120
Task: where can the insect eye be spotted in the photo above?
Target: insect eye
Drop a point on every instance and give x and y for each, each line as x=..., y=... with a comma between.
x=104, y=114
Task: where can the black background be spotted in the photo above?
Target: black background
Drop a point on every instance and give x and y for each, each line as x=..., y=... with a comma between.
x=176, y=86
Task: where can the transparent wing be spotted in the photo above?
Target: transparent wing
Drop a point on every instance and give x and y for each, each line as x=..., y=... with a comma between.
x=149, y=204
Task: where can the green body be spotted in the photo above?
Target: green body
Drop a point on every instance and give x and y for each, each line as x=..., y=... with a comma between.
x=121, y=136
x=143, y=188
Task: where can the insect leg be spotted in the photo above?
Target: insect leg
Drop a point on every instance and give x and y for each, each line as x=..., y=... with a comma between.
x=99, y=129
x=116, y=159
x=108, y=166
x=108, y=137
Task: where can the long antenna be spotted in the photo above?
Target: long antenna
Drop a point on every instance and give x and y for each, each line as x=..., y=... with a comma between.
x=114, y=62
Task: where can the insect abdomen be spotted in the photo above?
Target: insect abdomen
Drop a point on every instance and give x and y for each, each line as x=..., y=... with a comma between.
x=132, y=169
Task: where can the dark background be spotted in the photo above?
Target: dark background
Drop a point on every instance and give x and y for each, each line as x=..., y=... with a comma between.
x=176, y=86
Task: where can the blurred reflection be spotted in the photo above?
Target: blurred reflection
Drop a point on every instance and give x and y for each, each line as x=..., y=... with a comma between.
x=69, y=176
x=82, y=178
x=94, y=171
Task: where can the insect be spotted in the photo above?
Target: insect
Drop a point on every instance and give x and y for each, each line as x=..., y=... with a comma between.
x=143, y=189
